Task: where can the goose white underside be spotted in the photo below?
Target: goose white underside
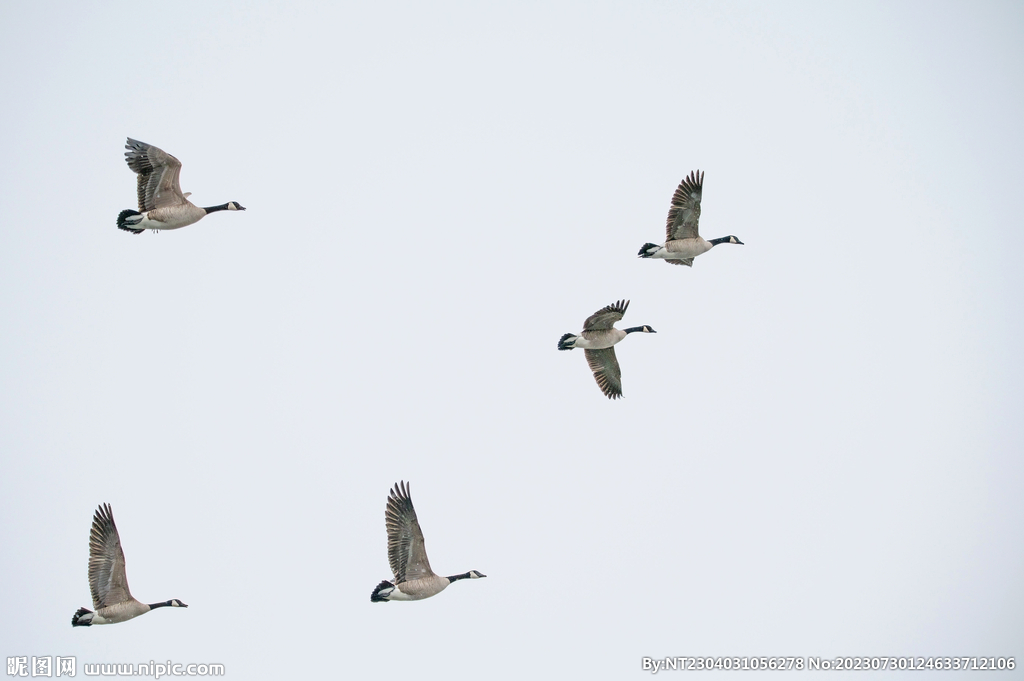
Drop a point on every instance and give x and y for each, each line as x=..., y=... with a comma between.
x=584, y=344
x=427, y=588
x=122, y=615
x=682, y=249
x=398, y=595
x=147, y=223
x=608, y=338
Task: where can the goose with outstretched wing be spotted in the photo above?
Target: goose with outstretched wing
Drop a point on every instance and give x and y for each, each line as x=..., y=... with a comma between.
x=683, y=242
x=597, y=340
x=414, y=580
x=107, y=580
x=162, y=205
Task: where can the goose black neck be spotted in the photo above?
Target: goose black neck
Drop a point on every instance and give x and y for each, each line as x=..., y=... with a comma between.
x=457, y=577
x=722, y=240
x=165, y=604
x=634, y=329
x=213, y=209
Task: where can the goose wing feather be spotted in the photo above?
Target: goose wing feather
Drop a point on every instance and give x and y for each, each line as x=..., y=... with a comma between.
x=107, y=580
x=158, y=175
x=406, y=552
x=684, y=214
x=606, y=371
x=606, y=316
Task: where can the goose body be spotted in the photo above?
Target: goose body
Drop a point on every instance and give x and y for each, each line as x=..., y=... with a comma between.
x=414, y=590
x=107, y=580
x=597, y=339
x=162, y=205
x=683, y=242
x=414, y=580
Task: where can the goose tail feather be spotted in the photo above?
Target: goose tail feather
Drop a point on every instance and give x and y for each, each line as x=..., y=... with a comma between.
x=127, y=219
x=381, y=593
x=82, y=618
x=648, y=249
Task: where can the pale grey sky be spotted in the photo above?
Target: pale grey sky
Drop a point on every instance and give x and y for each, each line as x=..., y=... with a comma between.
x=818, y=454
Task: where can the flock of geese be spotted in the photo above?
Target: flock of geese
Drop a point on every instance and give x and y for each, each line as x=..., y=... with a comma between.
x=162, y=205
x=113, y=601
x=682, y=244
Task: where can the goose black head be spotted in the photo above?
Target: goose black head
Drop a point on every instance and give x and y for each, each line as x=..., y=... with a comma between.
x=175, y=603
x=472, y=574
x=230, y=205
x=726, y=240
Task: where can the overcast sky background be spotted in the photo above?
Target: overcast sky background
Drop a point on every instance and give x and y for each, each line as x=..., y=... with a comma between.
x=818, y=454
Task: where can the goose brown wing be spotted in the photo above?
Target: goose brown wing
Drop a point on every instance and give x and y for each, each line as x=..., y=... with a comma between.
x=606, y=371
x=406, y=553
x=606, y=316
x=107, y=580
x=684, y=214
x=158, y=175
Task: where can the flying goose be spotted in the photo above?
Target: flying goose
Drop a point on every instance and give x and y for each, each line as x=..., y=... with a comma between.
x=107, y=581
x=597, y=339
x=414, y=580
x=682, y=242
x=162, y=204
